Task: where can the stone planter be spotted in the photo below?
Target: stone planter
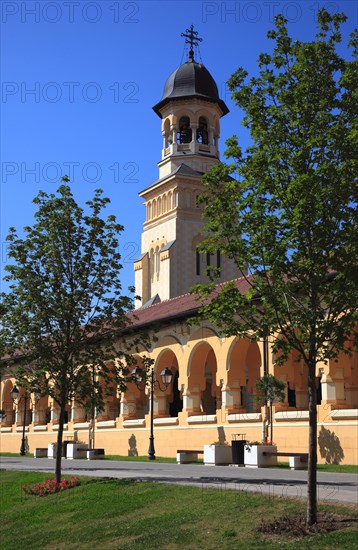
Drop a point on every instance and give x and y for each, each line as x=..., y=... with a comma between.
x=254, y=456
x=76, y=450
x=51, y=450
x=215, y=455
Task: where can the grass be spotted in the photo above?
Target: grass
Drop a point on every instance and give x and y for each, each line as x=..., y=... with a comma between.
x=126, y=514
x=337, y=468
x=28, y=455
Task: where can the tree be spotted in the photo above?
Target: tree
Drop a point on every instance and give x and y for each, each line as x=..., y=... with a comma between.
x=290, y=222
x=268, y=391
x=62, y=316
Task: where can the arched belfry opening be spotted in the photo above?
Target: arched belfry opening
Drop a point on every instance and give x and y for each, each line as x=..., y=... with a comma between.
x=202, y=133
x=185, y=132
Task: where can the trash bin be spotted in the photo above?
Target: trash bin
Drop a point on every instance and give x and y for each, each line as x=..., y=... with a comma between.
x=238, y=448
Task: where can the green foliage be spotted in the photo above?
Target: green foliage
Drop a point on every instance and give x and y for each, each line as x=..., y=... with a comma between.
x=289, y=224
x=63, y=317
x=65, y=306
x=269, y=389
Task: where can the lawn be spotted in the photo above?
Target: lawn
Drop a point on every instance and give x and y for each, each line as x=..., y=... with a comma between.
x=126, y=514
x=338, y=468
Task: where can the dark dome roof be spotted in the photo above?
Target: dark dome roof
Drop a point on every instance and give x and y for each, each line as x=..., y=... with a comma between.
x=190, y=80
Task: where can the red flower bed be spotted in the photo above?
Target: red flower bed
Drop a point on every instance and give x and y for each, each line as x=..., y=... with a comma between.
x=50, y=486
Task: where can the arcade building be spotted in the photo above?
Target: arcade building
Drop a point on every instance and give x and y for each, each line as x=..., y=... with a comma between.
x=212, y=394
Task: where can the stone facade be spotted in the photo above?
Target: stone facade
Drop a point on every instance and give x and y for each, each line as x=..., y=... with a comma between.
x=211, y=398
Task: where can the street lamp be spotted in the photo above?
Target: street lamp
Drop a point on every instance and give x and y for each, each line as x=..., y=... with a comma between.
x=15, y=396
x=138, y=377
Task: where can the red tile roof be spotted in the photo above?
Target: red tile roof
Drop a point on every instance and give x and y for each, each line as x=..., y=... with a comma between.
x=182, y=306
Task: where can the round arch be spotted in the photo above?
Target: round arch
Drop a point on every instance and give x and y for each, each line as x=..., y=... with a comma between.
x=243, y=371
x=170, y=402
x=7, y=404
x=205, y=394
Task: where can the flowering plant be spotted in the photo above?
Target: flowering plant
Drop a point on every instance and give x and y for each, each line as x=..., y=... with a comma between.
x=51, y=486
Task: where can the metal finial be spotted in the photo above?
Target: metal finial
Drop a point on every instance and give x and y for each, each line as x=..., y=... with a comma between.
x=191, y=37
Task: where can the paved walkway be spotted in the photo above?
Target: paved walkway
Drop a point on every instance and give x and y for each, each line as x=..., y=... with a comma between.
x=273, y=481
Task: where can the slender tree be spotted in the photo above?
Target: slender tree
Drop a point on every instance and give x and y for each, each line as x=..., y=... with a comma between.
x=268, y=391
x=64, y=312
x=290, y=222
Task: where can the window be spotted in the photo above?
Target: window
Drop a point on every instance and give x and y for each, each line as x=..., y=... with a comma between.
x=151, y=264
x=159, y=206
x=197, y=262
x=185, y=132
x=167, y=137
x=157, y=261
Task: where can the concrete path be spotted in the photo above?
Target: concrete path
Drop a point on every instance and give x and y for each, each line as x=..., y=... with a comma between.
x=273, y=481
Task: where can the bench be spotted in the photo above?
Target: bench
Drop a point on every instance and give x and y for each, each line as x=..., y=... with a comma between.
x=186, y=456
x=298, y=461
x=40, y=452
x=95, y=454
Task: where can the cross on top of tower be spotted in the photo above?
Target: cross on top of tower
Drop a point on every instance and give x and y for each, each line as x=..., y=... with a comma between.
x=191, y=37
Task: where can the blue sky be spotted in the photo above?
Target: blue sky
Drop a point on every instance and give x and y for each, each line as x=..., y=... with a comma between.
x=79, y=79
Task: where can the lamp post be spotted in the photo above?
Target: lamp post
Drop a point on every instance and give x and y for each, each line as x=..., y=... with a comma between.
x=15, y=396
x=166, y=376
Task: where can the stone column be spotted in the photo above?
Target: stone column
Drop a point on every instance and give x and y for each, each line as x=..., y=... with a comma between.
x=9, y=419
x=55, y=413
x=301, y=398
x=36, y=415
x=231, y=397
x=128, y=406
x=18, y=415
x=77, y=412
x=103, y=415
x=351, y=393
x=333, y=388
x=194, y=145
x=160, y=405
x=191, y=400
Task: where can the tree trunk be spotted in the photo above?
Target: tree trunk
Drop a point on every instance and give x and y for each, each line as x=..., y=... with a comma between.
x=312, y=446
x=59, y=442
x=271, y=423
x=264, y=424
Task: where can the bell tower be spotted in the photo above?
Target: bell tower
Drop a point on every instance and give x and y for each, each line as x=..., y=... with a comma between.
x=190, y=111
